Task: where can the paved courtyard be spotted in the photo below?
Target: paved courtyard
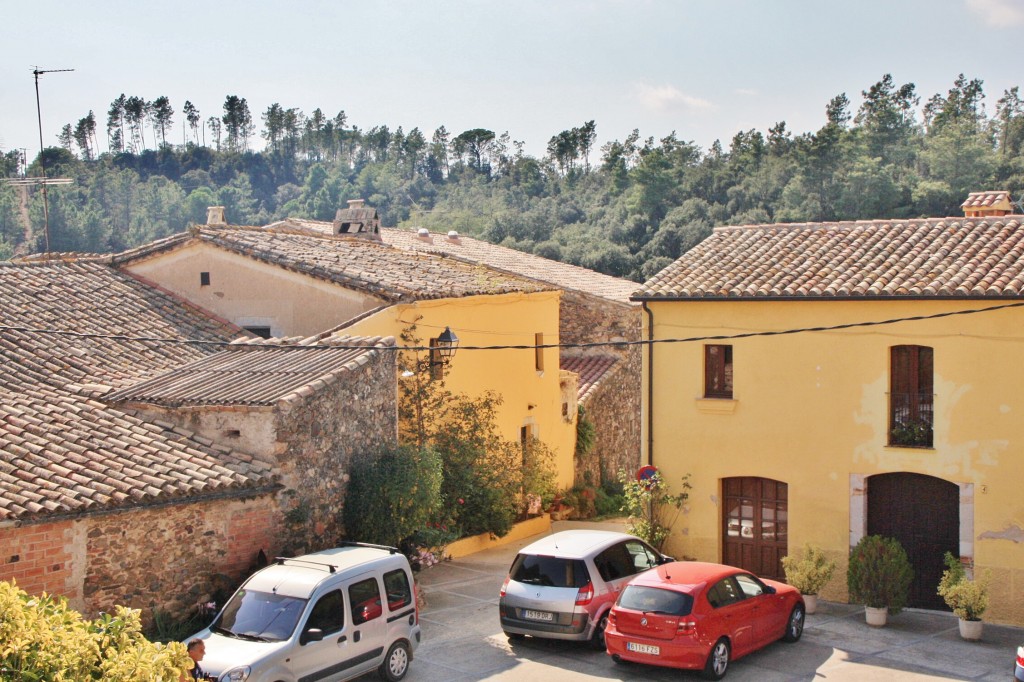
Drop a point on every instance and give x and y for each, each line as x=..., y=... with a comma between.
x=463, y=641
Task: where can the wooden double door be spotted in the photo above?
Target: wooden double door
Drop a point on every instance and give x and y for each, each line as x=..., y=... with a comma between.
x=755, y=525
x=923, y=513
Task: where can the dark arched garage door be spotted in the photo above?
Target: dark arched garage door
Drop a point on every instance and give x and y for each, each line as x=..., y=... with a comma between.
x=923, y=513
x=755, y=525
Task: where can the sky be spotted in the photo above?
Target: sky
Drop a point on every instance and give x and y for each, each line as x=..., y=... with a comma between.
x=705, y=69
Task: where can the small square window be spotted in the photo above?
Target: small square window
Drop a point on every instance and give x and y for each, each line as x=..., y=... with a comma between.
x=262, y=332
x=204, y=279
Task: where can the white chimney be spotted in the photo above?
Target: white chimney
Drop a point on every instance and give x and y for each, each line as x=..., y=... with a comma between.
x=453, y=236
x=355, y=203
x=215, y=216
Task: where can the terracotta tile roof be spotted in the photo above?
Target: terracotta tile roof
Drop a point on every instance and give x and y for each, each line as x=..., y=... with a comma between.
x=923, y=258
x=62, y=452
x=377, y=269
x=984, y=199
x=561, y=275
x=84, y=298
x=591, y=368
x=256, y=374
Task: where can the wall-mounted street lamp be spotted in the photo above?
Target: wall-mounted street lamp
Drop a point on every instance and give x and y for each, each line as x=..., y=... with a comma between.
x=447, y=344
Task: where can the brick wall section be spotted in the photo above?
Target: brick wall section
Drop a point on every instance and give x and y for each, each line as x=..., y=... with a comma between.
x=355, y=415
x=39, y=558
x=614, y=406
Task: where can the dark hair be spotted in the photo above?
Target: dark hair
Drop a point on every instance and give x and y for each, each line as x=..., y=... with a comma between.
x=193, y=643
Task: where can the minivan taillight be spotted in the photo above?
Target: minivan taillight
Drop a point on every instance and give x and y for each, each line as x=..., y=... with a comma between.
x=686, y=626
x=1020, y=656
x=585, y=595
x=504, y=585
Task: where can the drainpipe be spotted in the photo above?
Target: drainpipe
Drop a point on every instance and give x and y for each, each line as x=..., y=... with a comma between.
x=650, y=384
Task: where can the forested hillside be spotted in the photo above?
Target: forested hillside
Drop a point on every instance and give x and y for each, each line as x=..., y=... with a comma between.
x=626, y=209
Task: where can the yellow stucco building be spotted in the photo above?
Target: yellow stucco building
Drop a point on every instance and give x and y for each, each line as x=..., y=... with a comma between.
x=821, y=382
x=296, y=282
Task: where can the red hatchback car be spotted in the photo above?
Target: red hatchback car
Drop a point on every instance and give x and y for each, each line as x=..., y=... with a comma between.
x=700, y=616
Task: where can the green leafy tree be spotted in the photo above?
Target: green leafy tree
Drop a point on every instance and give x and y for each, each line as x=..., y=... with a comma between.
x=161, y=117
x=651, y=506
x=237, y=120
x=392, y=494
x=193, y=118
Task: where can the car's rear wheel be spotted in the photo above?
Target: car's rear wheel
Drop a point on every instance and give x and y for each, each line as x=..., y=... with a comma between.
x=795, y=624
x=718, y=660
x=597, y=639
x=396, y=663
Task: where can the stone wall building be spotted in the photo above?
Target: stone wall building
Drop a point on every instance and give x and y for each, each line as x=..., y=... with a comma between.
x=108, y=501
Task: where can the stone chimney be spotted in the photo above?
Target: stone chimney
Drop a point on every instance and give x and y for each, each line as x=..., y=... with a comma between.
x=357, y=220
x=215, y=216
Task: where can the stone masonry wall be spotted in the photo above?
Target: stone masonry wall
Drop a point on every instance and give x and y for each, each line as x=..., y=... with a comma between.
x=614, y=406
x=168, y=558
x=614, y=409
x=355, y=415
x=174, y=558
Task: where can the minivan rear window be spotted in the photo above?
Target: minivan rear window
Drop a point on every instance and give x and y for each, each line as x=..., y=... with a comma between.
x=549, y=571
x=656, y=600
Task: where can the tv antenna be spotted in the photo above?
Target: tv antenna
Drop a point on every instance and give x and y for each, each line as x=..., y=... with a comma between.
x=42, y=180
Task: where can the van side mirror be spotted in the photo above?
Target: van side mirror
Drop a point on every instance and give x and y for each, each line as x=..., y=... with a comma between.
x=311, y=635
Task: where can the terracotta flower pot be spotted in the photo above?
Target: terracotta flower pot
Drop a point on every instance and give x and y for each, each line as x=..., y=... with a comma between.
x=970, y=629
x=875, y=617
x=810, y=603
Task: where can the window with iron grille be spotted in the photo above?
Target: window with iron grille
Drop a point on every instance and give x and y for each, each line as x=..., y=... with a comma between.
x=717, y=371
x=911, y=396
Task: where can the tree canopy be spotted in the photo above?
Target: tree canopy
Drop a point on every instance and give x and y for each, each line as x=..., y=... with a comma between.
x=627, y=209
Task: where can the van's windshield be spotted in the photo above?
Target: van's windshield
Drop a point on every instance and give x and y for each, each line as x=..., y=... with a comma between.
x=261, y=616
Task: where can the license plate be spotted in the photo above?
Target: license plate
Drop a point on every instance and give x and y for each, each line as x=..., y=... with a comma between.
x=538, y=615
x=643, y=648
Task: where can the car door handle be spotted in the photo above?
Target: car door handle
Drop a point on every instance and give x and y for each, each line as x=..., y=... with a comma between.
x=342, y=639
x=355, y=636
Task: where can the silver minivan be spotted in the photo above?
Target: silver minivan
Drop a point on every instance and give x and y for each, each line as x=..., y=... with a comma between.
x=329, y=616
x=563, y=585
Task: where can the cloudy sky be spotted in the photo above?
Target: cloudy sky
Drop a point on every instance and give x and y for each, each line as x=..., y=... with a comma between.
x=702, y=68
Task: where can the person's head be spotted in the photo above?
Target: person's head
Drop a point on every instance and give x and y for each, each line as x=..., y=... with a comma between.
x=196, y=649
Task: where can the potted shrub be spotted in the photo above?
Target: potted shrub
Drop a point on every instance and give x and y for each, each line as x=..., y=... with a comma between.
x=809, y=572
x=879, y=576
x=968, y=598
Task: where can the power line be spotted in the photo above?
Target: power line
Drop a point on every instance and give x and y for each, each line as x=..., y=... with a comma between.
x=595, y=344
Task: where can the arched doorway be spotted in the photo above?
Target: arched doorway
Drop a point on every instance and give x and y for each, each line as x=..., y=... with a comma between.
x=755, y=524
x=923, y=513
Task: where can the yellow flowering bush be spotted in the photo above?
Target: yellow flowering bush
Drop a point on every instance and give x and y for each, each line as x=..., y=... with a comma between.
x=43, y=640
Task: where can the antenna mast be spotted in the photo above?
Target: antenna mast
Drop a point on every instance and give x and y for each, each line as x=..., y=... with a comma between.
x=36, y=72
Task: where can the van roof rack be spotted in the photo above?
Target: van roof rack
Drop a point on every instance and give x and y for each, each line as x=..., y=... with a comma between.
x=330, y=567
x=390, y=549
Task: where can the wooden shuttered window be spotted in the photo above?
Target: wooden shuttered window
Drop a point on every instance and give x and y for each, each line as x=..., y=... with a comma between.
x=717, y=371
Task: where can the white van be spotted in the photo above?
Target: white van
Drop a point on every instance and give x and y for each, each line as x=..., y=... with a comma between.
x=329, y=616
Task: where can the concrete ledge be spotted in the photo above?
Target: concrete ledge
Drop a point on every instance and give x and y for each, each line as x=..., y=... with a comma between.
x=477, y=543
